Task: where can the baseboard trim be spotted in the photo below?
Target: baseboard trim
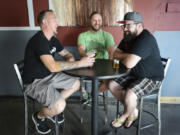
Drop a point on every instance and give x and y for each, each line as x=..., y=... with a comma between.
x=170, y=100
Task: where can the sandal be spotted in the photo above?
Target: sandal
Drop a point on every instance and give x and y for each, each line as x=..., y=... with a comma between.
x=130, y=121
x=116, y=122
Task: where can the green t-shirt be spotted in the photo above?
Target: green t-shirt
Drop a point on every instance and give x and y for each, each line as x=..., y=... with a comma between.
x=98, y=41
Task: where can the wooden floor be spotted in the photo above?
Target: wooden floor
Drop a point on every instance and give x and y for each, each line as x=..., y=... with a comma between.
x=12, y=119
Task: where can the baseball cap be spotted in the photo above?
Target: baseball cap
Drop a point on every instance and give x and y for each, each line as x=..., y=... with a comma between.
x=132, y=16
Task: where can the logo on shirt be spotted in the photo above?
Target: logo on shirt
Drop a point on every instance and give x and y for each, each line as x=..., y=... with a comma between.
x=53, y=50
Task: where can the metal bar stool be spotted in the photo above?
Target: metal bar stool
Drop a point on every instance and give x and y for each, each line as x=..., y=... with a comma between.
x=153, y=97
x=19, y=70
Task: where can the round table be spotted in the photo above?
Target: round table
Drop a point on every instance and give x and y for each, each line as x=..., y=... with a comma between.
x=102, y=69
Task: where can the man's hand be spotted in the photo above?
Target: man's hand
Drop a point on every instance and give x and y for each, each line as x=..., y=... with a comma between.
x=129, y=60
x=87, y=61
x=71, y=59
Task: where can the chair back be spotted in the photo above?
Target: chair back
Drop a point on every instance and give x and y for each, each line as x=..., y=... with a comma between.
x=19, y=70
x=166, y=62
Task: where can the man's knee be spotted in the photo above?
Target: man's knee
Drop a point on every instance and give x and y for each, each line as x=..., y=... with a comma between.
x=59, y=106
x=113, y=86
x=76, y=85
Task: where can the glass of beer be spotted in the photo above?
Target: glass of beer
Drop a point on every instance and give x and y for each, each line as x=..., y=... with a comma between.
x=92, y=52
x=116, y=63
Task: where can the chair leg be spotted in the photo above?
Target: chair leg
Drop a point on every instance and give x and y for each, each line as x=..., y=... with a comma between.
x=81, y=105
x=159, y=115
x=34, y=105
x=105, y=100
x=140, y=116
x=117, y=112
x=26, y=115
x=57, y=125
x=81, y=117
x=63, y=128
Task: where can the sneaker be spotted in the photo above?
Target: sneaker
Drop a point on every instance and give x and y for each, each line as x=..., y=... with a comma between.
x=88, y=102
x=86, y=99
x=40, y=124
x=60, y=118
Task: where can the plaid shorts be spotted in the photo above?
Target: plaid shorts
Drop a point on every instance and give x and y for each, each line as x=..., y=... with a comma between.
x=139, y=86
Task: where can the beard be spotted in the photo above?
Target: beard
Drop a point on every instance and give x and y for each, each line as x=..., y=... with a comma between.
x=96, y=29
x=130, y=36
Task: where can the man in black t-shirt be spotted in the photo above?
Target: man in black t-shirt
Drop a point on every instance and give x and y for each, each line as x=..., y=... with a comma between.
x=40, y=76
x=139, y=52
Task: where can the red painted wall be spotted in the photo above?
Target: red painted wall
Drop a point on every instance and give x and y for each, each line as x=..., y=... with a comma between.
x=157, y=15
x=13, y=13
x=39, y=5
x=168, y=15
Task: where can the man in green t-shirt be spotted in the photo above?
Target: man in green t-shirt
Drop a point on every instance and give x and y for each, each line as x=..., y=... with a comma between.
x=96, y=40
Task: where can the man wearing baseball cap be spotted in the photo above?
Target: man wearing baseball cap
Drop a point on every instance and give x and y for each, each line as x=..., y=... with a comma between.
x=139, y=52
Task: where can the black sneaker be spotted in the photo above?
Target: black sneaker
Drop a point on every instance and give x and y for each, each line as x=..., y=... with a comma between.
x=87, y=102
x=60, y=118
x=40, y=125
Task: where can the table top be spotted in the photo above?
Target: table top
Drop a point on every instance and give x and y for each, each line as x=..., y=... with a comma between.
x=102, y=69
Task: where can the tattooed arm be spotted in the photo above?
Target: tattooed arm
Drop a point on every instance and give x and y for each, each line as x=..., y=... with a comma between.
x=56, y=66
x=67, y=55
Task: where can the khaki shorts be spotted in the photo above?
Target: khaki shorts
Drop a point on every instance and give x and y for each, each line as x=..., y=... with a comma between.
x=45, y=90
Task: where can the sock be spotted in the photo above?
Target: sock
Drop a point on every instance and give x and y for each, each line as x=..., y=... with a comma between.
x=37, y=117
x=85, y=95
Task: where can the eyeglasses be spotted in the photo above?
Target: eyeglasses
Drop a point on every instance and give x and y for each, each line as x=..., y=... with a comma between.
x=128, y=25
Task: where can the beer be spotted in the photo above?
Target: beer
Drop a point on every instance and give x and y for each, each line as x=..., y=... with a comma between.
x=92, y=52
x=116, y=63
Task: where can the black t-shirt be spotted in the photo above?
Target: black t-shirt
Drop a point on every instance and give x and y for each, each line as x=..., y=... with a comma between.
x=38, y=45
x=145, y=46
